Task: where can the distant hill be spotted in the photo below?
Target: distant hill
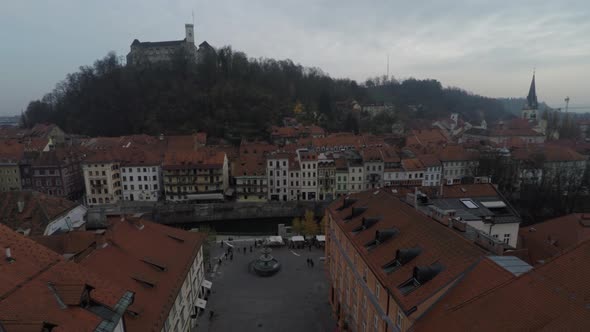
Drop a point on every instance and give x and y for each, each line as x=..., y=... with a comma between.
x=434, y=101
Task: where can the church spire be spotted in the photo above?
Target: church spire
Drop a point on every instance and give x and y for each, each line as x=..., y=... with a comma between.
x=531, y=99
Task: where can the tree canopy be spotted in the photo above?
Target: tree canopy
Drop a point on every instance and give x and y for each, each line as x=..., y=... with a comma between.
x=231, y=96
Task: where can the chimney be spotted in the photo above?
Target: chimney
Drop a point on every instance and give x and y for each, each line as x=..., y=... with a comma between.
x=20, y=205
x=9, y=257
x=101, y=239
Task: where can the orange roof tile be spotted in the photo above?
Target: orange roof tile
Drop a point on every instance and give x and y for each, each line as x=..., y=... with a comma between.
x=554, y=236
x=250, y=165
x=191, y=158
x=35, y=278
x=38, y=210
x=469, y=190
x=552, y=297
x=127, y=247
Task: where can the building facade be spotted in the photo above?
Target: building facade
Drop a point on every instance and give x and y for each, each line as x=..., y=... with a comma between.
x=102, y=180
x=277, y=171
x=141, y=182
x=309, y=174
x=251, y=179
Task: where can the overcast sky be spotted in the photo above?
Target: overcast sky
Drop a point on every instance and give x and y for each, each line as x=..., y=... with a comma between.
x=486, y=47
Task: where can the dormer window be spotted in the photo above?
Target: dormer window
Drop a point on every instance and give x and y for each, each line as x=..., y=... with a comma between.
x=346, y=203
x=381, y=236
x=356, y=211
x=402, y=257
x=366, y=224
x=420, y=276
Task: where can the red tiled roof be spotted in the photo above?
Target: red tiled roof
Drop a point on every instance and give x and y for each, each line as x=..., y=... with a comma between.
x=438, y=244
x=412, y=164
x=469, y=190
x=429, y=160
x=548, y=152
x=11, y=150
x=191, y=158
x=455, y=153
x=127, y=247
x=338, y=140
x=39, y=209
x=26, y=295
x=250, y=165
x=552, y=297
x=554, y=236
x=256, y=148
x=426, y=137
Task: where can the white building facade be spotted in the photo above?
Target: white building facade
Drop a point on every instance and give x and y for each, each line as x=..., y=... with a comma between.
x=142, y=182
x=102, y=181
x=277, y=171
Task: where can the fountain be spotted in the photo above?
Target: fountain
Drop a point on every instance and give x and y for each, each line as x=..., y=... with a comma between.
x=266, y=265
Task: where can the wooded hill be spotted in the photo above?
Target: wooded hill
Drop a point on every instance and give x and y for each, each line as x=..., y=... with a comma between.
x=229, y=95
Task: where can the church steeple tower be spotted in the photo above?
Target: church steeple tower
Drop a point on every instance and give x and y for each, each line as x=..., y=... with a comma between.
x=529, y=111
x=532, y=97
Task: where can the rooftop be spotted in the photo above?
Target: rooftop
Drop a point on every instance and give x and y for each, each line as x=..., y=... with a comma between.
x=441, y=249
x=552, y=237
x=130, y=247
x=38, y=287
x=551, y=297
x=38, y=210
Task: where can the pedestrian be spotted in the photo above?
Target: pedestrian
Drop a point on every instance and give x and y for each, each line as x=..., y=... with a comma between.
x=211, y=313
x=244, y=250
x=231, y=257
x=221, y=243
x=226, y=255
x=311, y=262
x=219, y=260
x=209, y=265
x=310, y=247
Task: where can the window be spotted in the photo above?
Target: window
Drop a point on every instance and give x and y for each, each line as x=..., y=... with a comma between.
x=270, y=172
x=124, y=178
x=145, y=178
x=506, y=238
x=400, y=318
x=138, y=170
x=153, y=169
x=124, y=187
x=140, y=187
x=131, y=178
x=284, y=163
x=376, y=322
x=132, y=187
x=377, y=290
x=104, y=173
x=154, y=178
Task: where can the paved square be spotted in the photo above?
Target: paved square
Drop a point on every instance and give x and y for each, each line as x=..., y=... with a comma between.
x=294, y=299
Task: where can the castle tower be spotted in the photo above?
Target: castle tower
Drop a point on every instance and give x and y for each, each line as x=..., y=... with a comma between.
x=190, y=33
x=529, y=111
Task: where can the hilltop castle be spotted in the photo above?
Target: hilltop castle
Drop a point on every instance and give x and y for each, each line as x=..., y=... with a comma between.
x=149, y=52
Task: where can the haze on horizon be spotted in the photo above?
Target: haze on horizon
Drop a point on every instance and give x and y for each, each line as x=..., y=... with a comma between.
x=488, y=48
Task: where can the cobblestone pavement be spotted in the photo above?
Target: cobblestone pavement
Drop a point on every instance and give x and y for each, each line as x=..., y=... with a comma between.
x=295, y=299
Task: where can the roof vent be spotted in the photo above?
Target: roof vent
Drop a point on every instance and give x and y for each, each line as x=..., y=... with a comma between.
x=9, y=257
x=20, y=205
x=357, y=211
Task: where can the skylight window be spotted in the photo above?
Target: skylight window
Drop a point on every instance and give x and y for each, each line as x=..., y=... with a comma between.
x=469, y=203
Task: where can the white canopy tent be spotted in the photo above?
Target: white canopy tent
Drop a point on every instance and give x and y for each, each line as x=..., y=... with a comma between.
x=207, y=284
x=297, y=238
x=320, y=238
x=201, y=303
